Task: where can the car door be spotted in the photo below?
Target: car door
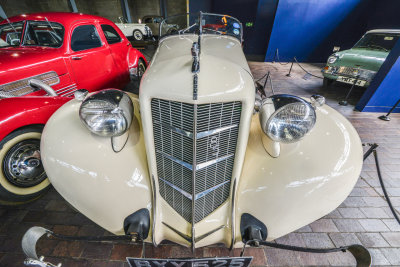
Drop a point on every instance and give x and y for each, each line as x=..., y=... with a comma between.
x=91, y=60
x=119, y=48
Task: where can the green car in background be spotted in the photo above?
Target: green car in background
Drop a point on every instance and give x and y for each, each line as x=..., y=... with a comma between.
x=360, y=64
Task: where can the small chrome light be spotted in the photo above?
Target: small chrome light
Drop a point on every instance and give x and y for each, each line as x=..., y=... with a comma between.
x=107, y=113
x=317, y=100
x=80, y=94
x=332, y=59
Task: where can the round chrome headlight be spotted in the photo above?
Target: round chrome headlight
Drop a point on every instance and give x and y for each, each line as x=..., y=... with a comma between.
x=332, y=59
x=292, y=119
x=107, y=113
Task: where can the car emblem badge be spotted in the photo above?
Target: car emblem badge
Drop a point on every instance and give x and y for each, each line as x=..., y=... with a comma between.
x=213, y=143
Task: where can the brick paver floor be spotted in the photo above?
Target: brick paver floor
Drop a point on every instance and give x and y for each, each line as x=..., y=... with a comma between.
x=363, y=217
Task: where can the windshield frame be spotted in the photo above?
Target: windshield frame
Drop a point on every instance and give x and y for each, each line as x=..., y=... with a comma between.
x=357, y=44
x=200, y=27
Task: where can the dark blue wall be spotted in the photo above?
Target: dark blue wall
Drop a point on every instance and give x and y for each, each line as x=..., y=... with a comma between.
x=199, y=5
x=259, y=12
x=384, y=89
x=300, y=27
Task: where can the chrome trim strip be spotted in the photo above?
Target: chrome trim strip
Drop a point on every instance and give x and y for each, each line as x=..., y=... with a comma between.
x=215, y=131
x=37, y=77
x=68, y=86
x=187, y=238
x=199, y=135
x=194, y=176
x=211, y=162
x=71, y=93
x=233, y=230
x=183, y=192
x=198, y=195
x=205, y=192
x=194, y=166
x=209, y=233
x=177, y=130
x=181, y=162
x=66, y=91
x=154, y=213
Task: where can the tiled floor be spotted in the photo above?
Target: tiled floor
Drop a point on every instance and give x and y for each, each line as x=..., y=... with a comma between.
x=363, y=217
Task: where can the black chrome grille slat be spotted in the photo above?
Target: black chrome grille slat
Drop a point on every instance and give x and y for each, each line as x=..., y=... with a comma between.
x=215, y=137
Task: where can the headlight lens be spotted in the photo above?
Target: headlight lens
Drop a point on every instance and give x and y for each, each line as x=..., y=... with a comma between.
x=290, y=122
x=107, y=113
x=332, y=59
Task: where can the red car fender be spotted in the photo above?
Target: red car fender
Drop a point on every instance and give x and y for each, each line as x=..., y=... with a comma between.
x=133, y=57
x=18, y=112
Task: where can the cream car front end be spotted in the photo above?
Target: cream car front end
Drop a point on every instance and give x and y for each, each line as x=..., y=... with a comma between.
x=190, y=156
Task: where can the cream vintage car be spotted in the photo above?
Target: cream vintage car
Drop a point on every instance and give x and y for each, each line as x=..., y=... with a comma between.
x=197, y=158
x=137, y=31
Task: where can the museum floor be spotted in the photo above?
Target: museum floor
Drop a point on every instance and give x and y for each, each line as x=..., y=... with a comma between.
x=363, y=217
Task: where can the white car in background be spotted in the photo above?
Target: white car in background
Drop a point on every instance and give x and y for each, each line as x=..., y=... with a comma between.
x=138, y=31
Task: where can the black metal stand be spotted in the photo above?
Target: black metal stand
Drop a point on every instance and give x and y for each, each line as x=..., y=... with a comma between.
x=290, y=70
x=386, y=117
x=344, y=101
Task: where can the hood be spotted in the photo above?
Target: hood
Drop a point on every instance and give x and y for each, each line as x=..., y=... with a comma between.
x=224, y=72
x=22, y=62
x=360, y=57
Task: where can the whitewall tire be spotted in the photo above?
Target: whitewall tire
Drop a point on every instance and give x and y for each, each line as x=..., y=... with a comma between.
x=22, y=177
x=137, y=35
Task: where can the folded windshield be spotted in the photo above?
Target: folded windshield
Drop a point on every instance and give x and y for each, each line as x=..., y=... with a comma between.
x=210, y=24
x=378, y=41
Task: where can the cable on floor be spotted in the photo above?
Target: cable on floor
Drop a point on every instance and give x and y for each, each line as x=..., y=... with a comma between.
x=372, y=150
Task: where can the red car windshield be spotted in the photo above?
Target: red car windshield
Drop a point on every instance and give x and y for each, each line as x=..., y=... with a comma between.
x=37, y=33
x=10, y=34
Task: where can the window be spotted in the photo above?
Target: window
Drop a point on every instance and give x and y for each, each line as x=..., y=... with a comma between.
x=85, y=37
x=111, y=34
x=148, y=20
x=44, y=33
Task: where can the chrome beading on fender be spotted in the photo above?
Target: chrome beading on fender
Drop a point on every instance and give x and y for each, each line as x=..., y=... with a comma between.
x=154, y=211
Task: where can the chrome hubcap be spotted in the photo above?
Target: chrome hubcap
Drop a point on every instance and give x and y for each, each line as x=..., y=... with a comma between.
x=138, y=36
x=22, y=165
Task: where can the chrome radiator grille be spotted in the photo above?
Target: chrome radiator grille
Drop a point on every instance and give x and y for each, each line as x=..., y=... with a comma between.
x=347, y=71
x=195, y=143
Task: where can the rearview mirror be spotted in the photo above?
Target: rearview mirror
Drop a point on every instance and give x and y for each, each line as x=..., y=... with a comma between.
x=336, y=48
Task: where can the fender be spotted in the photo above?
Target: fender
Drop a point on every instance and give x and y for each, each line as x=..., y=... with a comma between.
x=133, y=57
x=308, y=180
x=104, y=185
x=17, y=112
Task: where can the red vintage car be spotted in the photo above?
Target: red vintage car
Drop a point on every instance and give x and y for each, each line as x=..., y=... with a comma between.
x=44, y=59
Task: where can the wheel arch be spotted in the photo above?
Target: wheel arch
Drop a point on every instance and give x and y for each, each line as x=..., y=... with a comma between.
x=38, y=126
x=27, y=111
x=133, y=58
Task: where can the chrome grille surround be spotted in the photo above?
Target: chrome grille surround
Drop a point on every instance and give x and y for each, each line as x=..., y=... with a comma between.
x=195, y=149
x=22, y=87
x=363, y=74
